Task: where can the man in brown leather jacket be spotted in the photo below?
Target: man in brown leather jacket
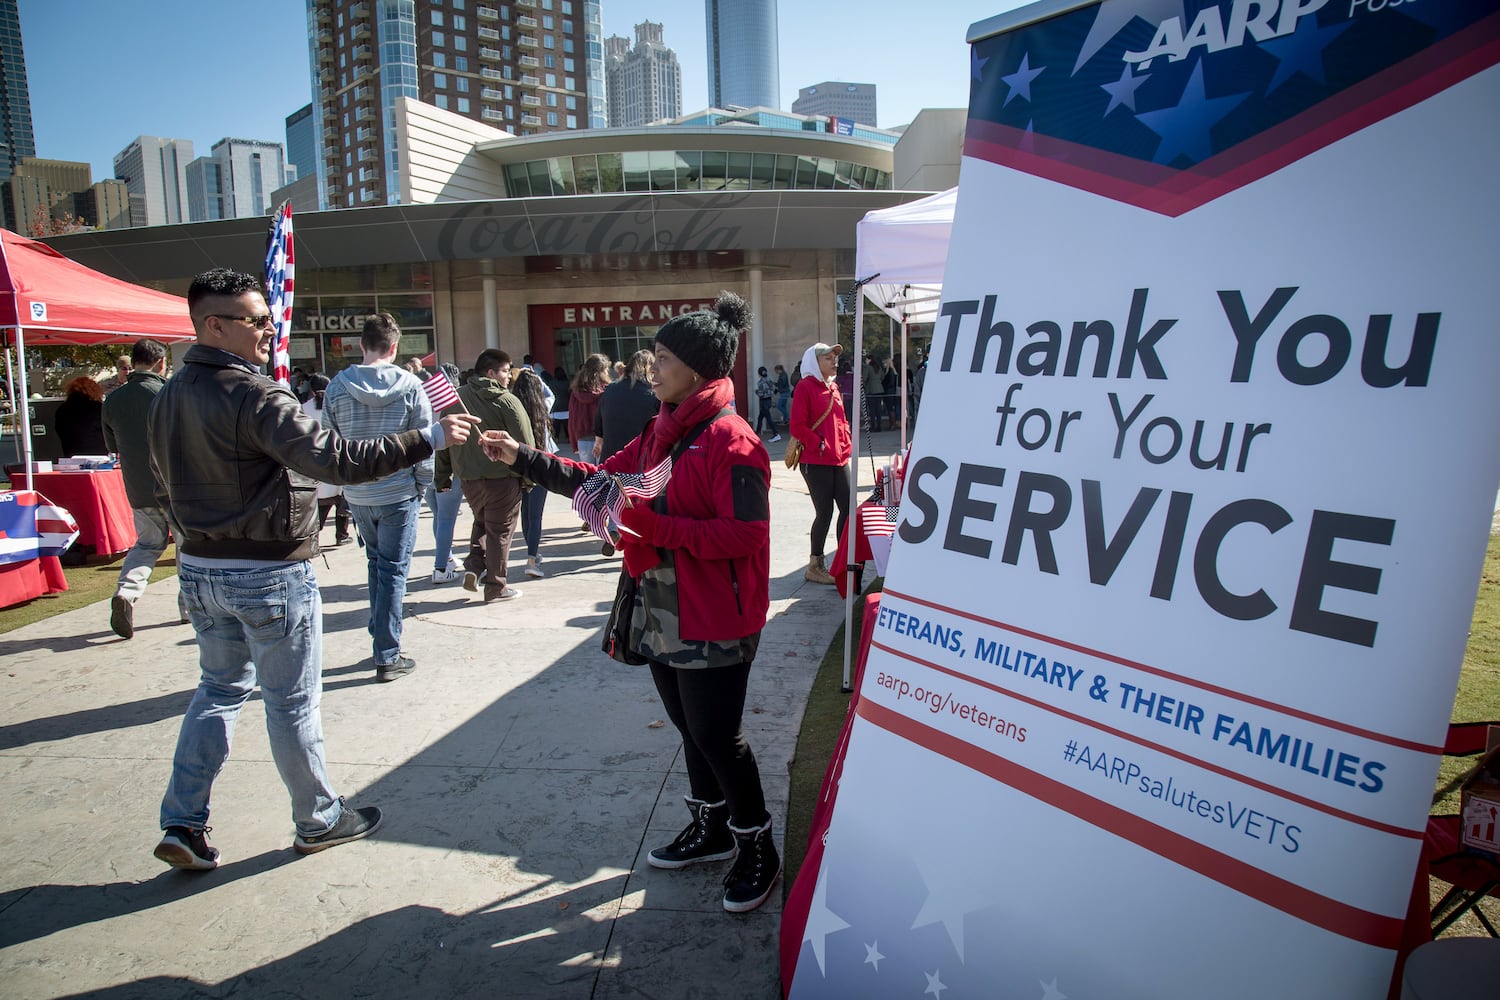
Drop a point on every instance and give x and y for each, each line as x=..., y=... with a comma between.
x=236, y=462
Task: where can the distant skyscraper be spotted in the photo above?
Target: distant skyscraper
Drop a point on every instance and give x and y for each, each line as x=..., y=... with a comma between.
x=744, y=64
x=302, y=142
x=644, y=83
x=235, y=180
x=16, y=136
x=837, y=99
x=526, y=66
x=155, y=172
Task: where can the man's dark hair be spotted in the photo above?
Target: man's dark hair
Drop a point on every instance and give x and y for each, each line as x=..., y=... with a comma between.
x=489, y=360
x=221, y=281
x=380, y=333
x=146, y=353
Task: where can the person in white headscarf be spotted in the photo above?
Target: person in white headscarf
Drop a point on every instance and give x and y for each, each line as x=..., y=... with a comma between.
x=820, y=425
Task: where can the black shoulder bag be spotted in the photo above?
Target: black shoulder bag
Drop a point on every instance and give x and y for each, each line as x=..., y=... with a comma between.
x=627, y=601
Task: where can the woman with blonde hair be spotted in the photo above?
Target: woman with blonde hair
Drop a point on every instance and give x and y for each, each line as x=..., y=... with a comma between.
x=583, y=403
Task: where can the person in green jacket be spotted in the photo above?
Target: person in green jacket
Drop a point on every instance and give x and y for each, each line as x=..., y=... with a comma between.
x=492, y=488
x=124, y=423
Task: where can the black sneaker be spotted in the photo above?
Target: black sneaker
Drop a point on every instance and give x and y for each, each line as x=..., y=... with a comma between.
x=121, y=617
x=181, y=847
x=706, y=838
x=353, y=824
x=402, y=666
x=755, y=871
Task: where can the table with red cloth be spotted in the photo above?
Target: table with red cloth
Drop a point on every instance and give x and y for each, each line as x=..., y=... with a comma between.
x=96, y=499
x=21, y=582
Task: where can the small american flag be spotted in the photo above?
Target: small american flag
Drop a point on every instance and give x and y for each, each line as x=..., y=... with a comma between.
x=604, y=495
x=279, y=286
x=440, y=392
x=876, y=517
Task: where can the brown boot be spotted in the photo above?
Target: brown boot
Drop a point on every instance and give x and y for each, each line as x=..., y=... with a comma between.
x=816, y=573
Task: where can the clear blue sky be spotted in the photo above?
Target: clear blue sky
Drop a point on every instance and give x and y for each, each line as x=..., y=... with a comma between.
x=102, y=72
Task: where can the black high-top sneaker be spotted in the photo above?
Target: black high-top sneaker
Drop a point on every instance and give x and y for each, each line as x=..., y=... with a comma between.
x=706, y=838
x=754, y=872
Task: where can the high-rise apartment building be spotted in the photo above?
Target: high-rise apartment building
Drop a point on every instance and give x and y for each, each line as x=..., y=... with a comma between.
x=644, y=83
x=836, y=99
x=16, y=136
x=155, y=172
x=526, y=66
x=235, y=180
x=744, y=63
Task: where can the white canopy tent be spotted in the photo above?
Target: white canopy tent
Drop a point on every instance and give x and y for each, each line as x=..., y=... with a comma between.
x=898, y=264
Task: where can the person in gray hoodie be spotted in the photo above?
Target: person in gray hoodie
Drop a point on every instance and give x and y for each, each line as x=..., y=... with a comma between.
x=371, y=400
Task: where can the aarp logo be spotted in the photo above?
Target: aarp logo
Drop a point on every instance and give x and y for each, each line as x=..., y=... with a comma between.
x=39, y=312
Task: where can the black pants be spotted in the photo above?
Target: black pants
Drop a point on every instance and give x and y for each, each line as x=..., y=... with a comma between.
x=828, y=485
x=764, y=414
x=340, y=508
x=705, y=706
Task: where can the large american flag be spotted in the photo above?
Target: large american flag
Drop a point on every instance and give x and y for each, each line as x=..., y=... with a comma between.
x=279, y=284
x=604, y=495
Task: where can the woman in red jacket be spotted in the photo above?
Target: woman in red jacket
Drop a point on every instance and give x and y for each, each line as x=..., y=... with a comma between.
x=818, y=421
x=701, y=551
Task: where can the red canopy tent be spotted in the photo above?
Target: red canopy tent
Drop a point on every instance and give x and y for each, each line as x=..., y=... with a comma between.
x=48, y=299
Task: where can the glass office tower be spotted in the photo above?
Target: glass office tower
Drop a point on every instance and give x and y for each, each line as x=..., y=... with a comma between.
x=744, y=66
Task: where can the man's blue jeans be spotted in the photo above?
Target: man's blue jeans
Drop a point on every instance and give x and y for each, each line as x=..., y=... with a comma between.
x=390, y=535
x=254, y=625
x=444, y=507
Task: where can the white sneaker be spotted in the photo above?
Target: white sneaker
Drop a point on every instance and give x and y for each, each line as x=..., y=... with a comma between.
x=775, y=438
x=444, y=575
x=454, y=566
x=532, y=569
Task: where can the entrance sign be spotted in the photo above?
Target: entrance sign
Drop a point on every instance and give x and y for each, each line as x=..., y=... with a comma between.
x=1194, y=515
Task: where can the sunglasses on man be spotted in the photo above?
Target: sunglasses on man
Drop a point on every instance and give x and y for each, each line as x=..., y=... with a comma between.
x=263, y=322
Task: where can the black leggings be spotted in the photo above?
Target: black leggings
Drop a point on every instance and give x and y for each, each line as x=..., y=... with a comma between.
x=828, y=485
x=705, y=705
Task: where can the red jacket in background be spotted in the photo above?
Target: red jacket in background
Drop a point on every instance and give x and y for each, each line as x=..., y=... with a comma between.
x=829, y=443
x=583, y=407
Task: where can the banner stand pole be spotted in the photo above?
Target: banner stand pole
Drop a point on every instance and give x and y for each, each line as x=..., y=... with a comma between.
x=849, y=523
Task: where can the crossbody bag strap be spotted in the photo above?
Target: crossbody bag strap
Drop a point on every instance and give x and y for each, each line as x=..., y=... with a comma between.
x=659, y=505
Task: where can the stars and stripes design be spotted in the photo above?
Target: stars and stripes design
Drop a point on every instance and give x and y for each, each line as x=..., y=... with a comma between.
x=604, y=495
x=32, y=526
x=440, y=392
x=280, y=271
x=876, y=517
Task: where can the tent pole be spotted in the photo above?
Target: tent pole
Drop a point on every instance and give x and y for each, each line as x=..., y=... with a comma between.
x=23, y=410
x=902, y=385
x=848, y=568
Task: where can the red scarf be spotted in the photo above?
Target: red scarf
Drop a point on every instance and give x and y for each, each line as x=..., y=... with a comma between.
x=673, y=422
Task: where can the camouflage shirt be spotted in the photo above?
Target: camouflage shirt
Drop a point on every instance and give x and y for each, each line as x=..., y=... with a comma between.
x=655, y=627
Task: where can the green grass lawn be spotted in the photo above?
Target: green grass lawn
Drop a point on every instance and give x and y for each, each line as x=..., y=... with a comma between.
x=91, y=582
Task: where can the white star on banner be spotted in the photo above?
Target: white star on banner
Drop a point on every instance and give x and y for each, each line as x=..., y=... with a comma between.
x=1122, y=91
x=953, y=890
x=934, y=984
x=821, y=921
x=1019, y=82
x=873, y=955
x=1051, y=992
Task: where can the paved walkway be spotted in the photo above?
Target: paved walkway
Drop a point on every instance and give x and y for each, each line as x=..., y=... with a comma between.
x=523, y=776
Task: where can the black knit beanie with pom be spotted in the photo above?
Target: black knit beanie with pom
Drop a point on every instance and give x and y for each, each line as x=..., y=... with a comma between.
x=707, y=342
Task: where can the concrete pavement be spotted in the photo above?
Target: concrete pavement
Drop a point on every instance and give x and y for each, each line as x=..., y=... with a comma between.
x=523, y=776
